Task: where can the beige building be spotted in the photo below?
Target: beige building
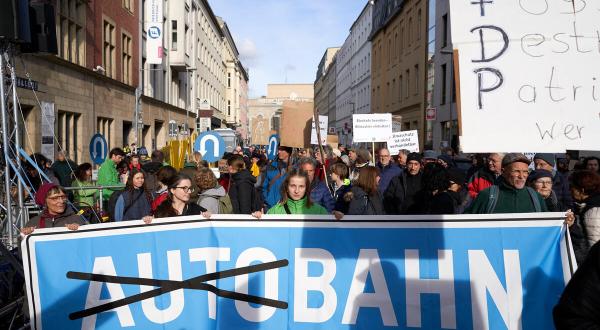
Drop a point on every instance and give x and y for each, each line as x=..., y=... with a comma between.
x=399, y=62
x=265, y=112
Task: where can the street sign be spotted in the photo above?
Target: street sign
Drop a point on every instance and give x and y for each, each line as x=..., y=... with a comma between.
x=273, y=147
x=98, y=149
x=211, y=145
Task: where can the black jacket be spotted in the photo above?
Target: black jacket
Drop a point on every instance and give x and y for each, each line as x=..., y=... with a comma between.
x=242, y=193
x=446, y=202
x=341, y=204
x=399, y=197
x=579, y=305
x=363, y=204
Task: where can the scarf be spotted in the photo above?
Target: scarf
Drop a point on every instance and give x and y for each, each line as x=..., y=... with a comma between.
x=45, y=215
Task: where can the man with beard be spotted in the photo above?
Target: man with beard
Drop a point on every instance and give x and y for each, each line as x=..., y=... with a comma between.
x=399, y=197
x=510, y=195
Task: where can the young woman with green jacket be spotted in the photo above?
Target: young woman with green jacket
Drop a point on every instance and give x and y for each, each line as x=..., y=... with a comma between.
x=295, y=192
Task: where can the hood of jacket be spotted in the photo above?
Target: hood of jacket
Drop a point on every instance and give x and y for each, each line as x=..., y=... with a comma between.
x=152, y=167
x=217, y=191
x=244, y=176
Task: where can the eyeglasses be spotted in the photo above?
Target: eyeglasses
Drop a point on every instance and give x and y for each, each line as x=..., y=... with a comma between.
x=544, y=183
x=57, y=198
x=186, y=189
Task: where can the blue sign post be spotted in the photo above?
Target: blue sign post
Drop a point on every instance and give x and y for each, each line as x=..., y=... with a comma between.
x=211, y=145
x=98, y=149
x=273, y=147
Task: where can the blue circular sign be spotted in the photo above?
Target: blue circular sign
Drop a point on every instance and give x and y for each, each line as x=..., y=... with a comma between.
x=273, y=147
x=211, y=145
x=98, y=149
x=154, y=32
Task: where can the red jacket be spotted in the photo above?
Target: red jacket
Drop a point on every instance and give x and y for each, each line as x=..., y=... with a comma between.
x=481, y=180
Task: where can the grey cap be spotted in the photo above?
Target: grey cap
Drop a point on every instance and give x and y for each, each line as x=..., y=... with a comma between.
x=513, y=158
x=430, y=154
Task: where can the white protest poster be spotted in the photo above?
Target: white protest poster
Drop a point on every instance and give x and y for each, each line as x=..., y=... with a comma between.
x=529, y=74
x=375, y=127
x=408, y=140
x=323, y=125
x=153, y=18
x=48, y=120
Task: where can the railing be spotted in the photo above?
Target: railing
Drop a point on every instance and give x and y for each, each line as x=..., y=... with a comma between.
x=99, y=188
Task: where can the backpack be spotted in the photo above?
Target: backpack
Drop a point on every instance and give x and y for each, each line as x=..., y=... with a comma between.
x=495, y=191
x=225, y=206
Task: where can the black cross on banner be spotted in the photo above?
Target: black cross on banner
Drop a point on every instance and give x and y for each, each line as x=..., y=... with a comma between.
x=166, y=286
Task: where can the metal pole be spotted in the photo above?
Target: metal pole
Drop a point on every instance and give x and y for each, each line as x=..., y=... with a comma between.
x=19, y=211
x=9, y=217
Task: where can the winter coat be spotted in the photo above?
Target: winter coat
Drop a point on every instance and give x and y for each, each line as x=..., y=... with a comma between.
x=355, y=171
x=68, y=217
x=84, y=197
x=590, y=218
x=399, y=197
x=579, y=305
x=509, y=200
x=165, y=210
x=341, y=204
x=320, y=194
x=387, y=173
x=150, y=170
x=275, y=175
x=63, y=170
x=446, y=202
x=363, y=204
x=297, y=207
x=481, y=180
x=108, y=176
x=562, y=191
x=209, y=199
x=132, y=205
x=552, y=203
x=242, y=193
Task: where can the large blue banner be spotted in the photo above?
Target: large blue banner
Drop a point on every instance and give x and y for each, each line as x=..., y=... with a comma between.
x=459, y=272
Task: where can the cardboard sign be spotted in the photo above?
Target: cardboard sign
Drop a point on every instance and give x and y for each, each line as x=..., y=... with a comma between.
x=529, y=76
x=260, y=131
x=296, y=122
x=333, y=141
x=186, y=273
x=408, y=140
x=372, y=127
x=324, y=123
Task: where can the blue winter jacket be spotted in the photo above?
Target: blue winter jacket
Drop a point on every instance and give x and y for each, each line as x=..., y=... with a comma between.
x=272, y=184
x=387, y=174
x=132, y=205
x=319, y=194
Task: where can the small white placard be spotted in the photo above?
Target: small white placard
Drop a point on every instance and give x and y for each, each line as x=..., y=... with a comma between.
x=408, y=140
x=372, y=127
x=324, y=123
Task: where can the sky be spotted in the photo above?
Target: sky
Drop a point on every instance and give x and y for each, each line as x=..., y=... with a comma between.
x=279, y=39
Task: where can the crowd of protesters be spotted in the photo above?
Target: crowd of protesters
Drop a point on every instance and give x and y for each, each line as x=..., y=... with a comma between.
x=341, y=182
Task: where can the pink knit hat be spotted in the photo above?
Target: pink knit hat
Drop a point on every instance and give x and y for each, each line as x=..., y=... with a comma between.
x=42, y=193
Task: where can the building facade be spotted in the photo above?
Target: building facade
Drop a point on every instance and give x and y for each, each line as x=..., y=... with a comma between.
x=354, y=75
x=100, y=77
x=399, y=62
x=323, y=84
x=264, y=113
x=445, y=127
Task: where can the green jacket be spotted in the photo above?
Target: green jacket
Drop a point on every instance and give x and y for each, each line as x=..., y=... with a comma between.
x=298, y=207
x=108, y=176
x=85, y=197
x=510, y=200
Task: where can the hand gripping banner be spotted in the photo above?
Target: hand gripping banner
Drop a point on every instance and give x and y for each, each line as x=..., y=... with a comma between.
x=292, y=272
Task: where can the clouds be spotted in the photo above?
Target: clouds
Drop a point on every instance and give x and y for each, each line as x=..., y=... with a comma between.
x=279, y=38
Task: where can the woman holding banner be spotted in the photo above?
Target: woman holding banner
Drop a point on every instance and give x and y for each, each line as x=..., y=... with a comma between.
x=295, y=191
x=178, y=201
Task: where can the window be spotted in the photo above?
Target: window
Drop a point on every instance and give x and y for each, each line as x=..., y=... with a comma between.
x=444, y=30
x=417, y=87
x=108, y=54
x=229, y=79
x=104, y=127
x=127, y=49
x=229, y=107
x=67, y=133
x=400, y=88
x=444, y=77
x=128, y=5
x=173, y=35
x=419, y=22
x=407, y=93
x=70, y=31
